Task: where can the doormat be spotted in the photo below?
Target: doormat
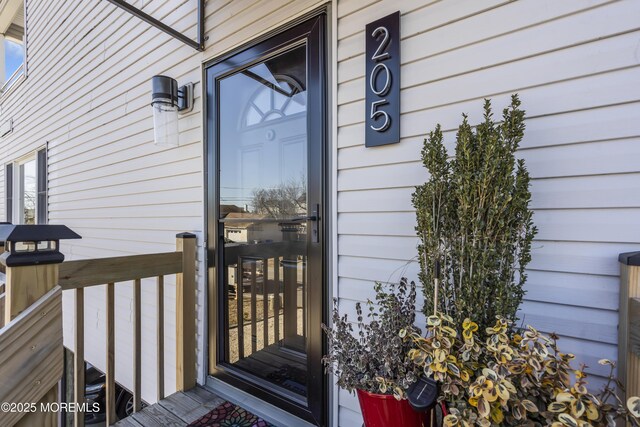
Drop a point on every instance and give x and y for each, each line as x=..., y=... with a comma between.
x=229, y=415
x=290, y=377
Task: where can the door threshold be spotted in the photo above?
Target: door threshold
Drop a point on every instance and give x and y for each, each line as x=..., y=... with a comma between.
x=268, y=412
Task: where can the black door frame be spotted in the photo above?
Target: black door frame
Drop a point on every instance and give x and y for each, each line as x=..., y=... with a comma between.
x=312, y=28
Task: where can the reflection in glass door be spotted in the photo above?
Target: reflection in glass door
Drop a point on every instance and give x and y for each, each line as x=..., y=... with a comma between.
x=263, y=214
x=267, y=219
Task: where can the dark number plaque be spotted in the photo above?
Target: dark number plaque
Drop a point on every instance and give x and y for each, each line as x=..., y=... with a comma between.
x=382, y=80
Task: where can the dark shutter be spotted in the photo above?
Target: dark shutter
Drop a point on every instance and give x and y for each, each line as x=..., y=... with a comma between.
x=8, y=180
x=41, y=216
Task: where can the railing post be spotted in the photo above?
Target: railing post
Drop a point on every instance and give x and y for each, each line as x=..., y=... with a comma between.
x=629, y=323
x=24, y=286
x=30, y=274
x=78, y=356
x=186, y=313
x=110, y=374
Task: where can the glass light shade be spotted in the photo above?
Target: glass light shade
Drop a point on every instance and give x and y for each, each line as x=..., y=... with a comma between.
x=165, y=123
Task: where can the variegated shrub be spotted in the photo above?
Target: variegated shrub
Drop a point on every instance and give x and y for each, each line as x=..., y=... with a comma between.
x=512, y=379
x=374, y=356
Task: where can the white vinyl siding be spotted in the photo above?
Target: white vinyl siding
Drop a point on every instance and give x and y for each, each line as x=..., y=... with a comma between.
x=88, y=96
x=575, y=65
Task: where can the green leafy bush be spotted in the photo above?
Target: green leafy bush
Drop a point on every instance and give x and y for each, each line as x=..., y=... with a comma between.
x=473, y=219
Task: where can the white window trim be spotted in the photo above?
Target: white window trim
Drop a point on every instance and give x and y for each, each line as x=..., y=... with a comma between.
x=18, y=201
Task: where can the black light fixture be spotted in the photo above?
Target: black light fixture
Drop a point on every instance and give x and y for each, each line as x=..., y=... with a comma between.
x=167, y=99
x=33, y=244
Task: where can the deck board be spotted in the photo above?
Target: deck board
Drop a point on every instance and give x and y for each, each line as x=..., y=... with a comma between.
x=205, y=397
x=184, y=407
x=157, y=415
x=128, y=422
x=177, y=410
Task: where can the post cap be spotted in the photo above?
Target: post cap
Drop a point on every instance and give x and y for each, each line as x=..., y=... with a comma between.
x=630, y=258
x=26, y=246
x=35, y=233
x=185, y=236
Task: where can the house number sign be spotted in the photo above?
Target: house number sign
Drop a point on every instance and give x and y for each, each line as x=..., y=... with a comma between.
x=382, y=80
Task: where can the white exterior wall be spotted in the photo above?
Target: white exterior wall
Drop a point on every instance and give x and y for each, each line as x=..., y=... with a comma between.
x=575, y=65
x=88, y=90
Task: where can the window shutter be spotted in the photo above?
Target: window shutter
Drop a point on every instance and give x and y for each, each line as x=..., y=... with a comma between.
x=41, y=216
x=8, y=191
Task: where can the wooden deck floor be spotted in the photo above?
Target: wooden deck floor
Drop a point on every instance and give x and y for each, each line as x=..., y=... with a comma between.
x=178, y=410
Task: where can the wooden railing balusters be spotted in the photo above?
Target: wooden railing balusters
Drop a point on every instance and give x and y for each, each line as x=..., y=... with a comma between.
x=2, y=303
x=240, y=306
x=110, y=373
x=137, y=344
x=265, y=302
x=78, y=358
x=304, y=294
x=290, y=300
x=276, y=299
x=160, y=334
x=254, y=310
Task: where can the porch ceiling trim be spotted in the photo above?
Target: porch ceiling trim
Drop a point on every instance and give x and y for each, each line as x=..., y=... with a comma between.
x=196, y=44
x=8, y=11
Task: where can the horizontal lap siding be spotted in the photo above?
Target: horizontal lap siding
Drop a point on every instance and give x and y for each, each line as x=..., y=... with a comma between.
x=107, y=180
x=90, y=66
x=575, y=66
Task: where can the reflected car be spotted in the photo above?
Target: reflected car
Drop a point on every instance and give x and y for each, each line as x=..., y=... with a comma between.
x=95, y=392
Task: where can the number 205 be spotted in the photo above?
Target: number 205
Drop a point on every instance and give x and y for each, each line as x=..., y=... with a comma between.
x=381, y=88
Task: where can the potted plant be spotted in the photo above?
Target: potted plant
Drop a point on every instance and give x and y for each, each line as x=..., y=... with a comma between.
x=373, y=360
x=512, y=379
x=473, y=220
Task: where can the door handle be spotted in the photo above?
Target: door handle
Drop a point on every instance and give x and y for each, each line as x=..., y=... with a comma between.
x=314, y=218
x=304, y=218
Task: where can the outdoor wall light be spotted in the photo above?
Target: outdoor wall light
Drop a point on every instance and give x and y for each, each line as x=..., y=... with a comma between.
x=167, y=100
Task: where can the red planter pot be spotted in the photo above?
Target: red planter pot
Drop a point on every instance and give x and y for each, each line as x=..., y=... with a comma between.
x=383, y=410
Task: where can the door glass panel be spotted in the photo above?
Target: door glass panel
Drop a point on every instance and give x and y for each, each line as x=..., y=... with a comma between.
x=263, y=212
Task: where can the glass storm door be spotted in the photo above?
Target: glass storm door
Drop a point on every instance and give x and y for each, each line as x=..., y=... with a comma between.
x=266, y=127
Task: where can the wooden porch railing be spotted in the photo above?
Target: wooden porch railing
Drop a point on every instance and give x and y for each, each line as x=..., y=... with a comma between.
x=79, y=275
x=31, y=361
x=2, y=298
x=274, y=272
x=31, y=350
x=629, y=324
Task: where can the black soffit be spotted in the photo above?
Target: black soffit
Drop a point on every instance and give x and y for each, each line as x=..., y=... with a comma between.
x=197, y=45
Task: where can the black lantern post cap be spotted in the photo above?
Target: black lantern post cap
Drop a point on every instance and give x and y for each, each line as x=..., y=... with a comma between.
x=164, y=88
x=33, y=244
